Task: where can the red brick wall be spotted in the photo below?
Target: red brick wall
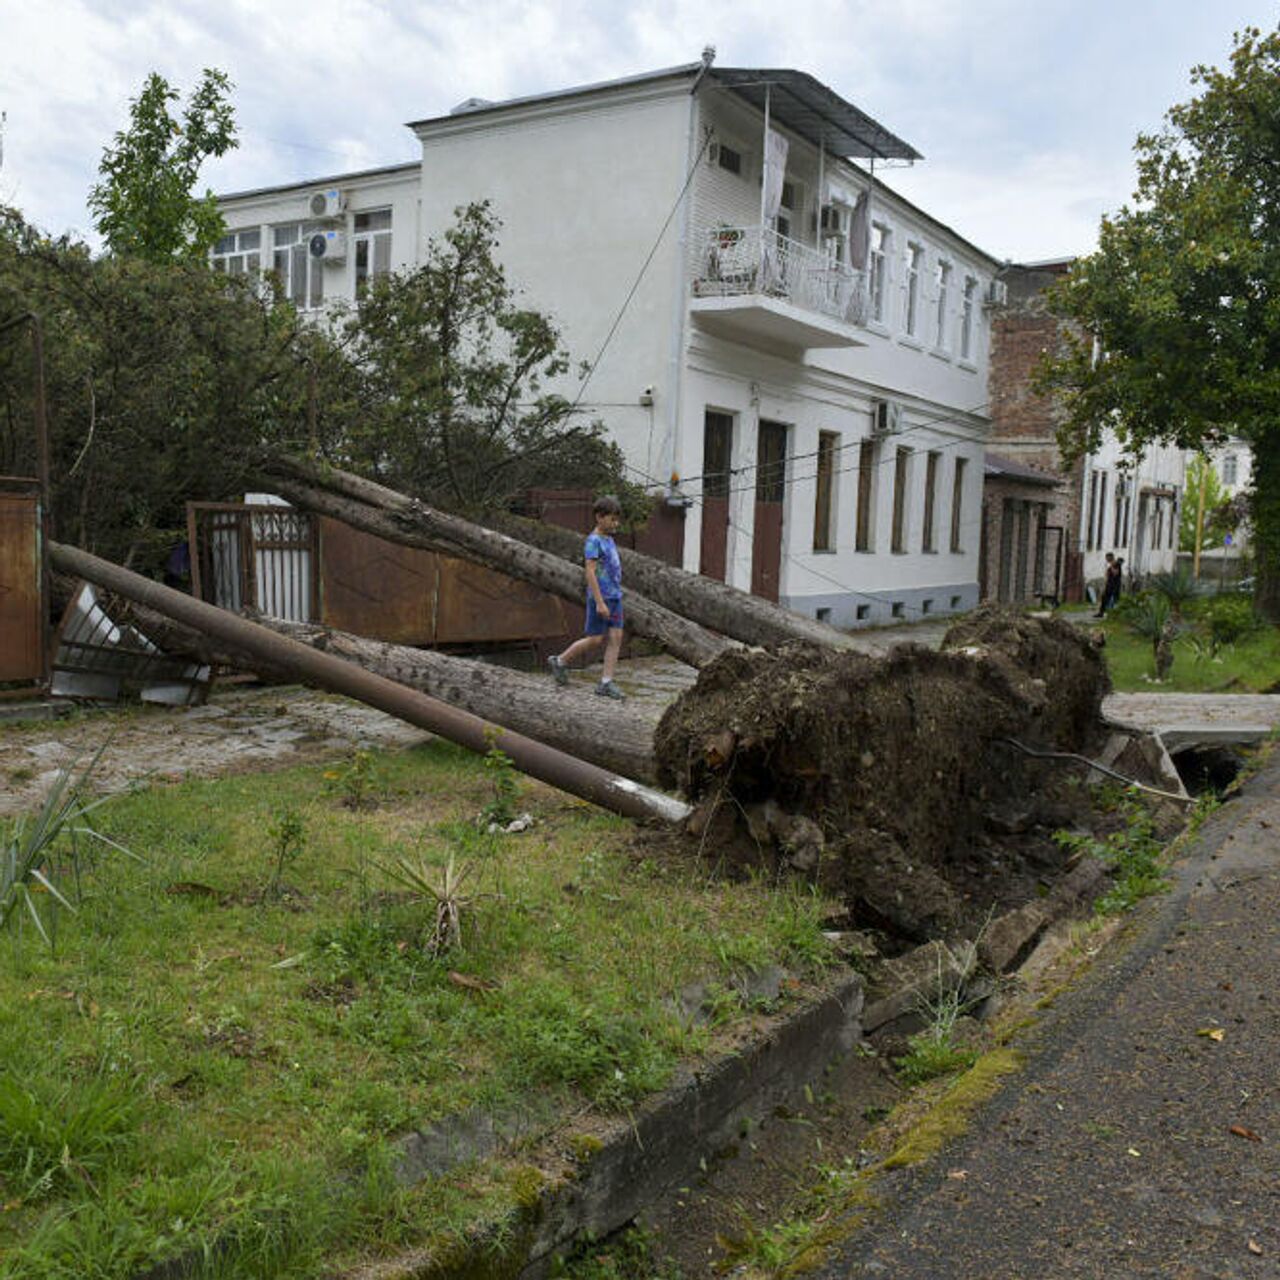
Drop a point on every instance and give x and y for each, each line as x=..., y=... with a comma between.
x=1024, y=424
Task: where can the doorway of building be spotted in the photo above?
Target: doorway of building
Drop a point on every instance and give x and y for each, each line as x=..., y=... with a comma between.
x=771, y=489
x=717, y=455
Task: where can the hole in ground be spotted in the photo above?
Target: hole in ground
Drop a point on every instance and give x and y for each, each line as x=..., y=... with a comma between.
x=1208, y=768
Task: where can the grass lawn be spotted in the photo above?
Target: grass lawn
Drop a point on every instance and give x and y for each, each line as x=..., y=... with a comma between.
x=204, y=1063
x=1250, y=665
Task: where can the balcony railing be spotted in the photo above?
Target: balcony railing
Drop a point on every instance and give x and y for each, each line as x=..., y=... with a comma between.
x=739, y=261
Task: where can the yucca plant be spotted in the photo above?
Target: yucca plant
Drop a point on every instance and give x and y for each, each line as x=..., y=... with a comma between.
x=1178, y=587
x=27, y=852
x=445, y=886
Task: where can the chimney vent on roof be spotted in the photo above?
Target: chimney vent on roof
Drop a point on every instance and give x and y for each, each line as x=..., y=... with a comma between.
x=708, y=54
x=470, y=104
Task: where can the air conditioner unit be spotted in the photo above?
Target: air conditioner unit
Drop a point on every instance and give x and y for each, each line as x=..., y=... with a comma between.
x=328, y=204
x=886, y=417
x=328, y=246
x=997, y=294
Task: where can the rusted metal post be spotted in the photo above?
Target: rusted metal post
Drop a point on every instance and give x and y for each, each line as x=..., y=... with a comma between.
x=601, y=787
x=40, y=419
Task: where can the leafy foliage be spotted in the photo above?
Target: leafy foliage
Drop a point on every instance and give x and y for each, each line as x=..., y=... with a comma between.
x=1226, y=619
x=1218, y=510
x=446, y=396
x=26, y=855
x=1177, y=586
x=1181, y=296
x=1131, y=853
x=144, y=206
x=165, y=383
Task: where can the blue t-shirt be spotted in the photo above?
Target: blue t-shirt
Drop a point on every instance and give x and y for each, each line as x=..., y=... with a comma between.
x=604, y=551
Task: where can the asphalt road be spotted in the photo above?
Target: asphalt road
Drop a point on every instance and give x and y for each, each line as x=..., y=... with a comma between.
x=1143, y=1137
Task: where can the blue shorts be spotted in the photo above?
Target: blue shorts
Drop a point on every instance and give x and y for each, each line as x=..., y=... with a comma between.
x=597, y=623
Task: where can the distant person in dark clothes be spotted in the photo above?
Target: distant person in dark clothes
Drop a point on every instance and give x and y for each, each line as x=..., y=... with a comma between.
x=177, y=568
x=1110, y=585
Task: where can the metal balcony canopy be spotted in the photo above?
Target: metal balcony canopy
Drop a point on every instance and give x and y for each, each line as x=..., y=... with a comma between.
x=807, y=107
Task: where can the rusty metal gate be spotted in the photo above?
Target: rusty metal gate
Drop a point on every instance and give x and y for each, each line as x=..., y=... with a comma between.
x=257, y=555
x=22, y=647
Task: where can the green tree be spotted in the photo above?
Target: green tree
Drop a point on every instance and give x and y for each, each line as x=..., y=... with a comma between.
x=1182, y=297
x=145, y=205
x=446, y=396
x=1202, y=478
x=166, y=383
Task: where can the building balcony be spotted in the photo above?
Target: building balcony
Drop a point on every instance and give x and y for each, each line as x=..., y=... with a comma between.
x=753, y=285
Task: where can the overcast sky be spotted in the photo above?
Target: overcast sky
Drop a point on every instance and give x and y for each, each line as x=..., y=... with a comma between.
x=1025, y=110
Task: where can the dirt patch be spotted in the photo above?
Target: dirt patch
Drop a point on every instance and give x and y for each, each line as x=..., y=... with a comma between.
x=892, y=781
x=242, y=728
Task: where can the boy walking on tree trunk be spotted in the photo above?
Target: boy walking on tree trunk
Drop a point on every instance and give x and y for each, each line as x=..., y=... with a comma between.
x=604, y=600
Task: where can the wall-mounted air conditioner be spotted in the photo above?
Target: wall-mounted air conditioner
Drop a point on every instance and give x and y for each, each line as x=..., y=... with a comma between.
x=328, y=204
x=886, y=417
x=328, y=246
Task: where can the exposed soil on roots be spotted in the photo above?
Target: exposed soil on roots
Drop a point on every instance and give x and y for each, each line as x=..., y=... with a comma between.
x=894, y=781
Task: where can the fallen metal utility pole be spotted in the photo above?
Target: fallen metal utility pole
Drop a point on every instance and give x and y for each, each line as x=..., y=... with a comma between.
x=621, y=795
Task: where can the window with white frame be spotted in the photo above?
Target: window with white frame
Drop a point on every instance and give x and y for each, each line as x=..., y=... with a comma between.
x=238, y=252
x=1230, y=468
x=372, y=246
x=968, y=307
x=915, y=282
x=942, y=281
x=301, y=275
x=879, y=264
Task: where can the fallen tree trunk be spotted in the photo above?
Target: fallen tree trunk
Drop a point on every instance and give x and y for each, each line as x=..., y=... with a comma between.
x=621, y=795
x=615, y=737
x=414, y=525
x=712, y=604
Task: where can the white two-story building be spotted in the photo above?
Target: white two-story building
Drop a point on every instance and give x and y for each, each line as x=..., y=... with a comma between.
x=781, y=345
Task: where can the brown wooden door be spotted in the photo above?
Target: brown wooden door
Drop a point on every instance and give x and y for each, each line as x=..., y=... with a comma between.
x=21, y=651
x=771, y=488
x=717, y=456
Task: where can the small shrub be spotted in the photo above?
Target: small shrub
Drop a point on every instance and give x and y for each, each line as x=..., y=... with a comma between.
x=504, y=783
x=288, y=840
x=1177, y=587
x=1226, y=619
x=932, y=1053
x=356, y=782
x=1132, y=854
x=26, y=855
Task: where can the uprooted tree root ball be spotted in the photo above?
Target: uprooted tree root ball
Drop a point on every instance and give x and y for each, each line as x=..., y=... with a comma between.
x=893, y=780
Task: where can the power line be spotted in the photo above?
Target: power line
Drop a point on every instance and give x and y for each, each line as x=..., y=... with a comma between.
x=631, y=293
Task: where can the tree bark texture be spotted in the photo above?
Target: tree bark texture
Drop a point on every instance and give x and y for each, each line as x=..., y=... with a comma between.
x=1265, y=502
x=558, y=768
x=616, y=737
x=715, y=605
x=412, y=524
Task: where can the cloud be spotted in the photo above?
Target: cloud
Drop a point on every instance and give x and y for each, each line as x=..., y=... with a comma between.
x=1025, y=113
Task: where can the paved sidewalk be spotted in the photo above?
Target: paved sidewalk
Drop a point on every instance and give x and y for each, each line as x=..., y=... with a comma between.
x=1135, y=1143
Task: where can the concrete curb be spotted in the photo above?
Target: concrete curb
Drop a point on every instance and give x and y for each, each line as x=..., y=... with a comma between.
x=662, y=1145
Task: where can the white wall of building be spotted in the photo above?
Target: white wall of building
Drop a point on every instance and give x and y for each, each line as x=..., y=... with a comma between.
x=1131, y=508
x=394, y=191
x=583, y=190
x=584, y=185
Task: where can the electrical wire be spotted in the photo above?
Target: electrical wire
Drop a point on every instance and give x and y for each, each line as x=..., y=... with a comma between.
x=644, y=267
